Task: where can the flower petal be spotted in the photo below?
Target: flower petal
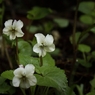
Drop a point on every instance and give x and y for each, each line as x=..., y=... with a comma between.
x=49, y=39
x=19, y=33
x=6, y=31
x=19, y=72
x=16, y=82
x=36, y=48
x=24, y=84
x=32, y=80
x=50, y=48
x=8, y=23
x=40, y=38
x=12, y=36
x=43, y=53
x=29, y=69
x=18, y=24
x=39, y=50
x=14, y=24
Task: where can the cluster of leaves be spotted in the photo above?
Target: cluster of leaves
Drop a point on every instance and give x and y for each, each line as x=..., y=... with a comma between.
x=5, y=88
x=88, y=10
x=47, y=75
x=38, y=13
x=88, y=55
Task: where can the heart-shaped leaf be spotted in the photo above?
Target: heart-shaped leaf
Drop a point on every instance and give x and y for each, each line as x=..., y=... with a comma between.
x=52, y=77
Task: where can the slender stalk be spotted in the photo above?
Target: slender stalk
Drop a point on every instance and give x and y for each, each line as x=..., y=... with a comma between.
x=17, y=51
x=23, y=91
x=38, y=91
x=41, y=61
x=80, y=90
x=74, y=47
x=85, y=32
x=32, y=90
x=2, y=46
x=7, y=54
x=84, y=56
x=1, y=24
x=46, y=91
x=42, y=90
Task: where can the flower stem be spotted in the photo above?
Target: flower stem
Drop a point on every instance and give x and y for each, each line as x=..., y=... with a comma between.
x=73, y=69
x=46, y=91
x=41, y=61
x=17, y=51
x=23, y=91
x=7, y=54
x=32, y=89
x=2, y=46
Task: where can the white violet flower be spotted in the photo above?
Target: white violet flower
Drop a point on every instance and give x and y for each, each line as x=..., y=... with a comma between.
x=24, y=77
x=44, y=44
x=13, y=29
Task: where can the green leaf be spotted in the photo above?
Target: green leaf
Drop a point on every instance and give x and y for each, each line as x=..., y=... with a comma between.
x=8, y=74
x=93, y=14
x=48, y=26
x=33, y=29
x=12, y=90
x=69, y=91
x=48, y=60
x=93, y=30
x=33, y=42
x=24, y=48
x=86, y=19
x=26, y=59
x=83, y=37
x=84, y=63
x=92, y=82
x=55, y=52
x=38, y=13
x=4, y=88
x=87, y=7
x=61, y=22
x=77, y=35
x=52, y=77
x=1, y=12
x=89, y=58
x=2, y=80
x=93, y=54
x=80, y=89
x=91, y=92
x=84, y=48
x=35, y=61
